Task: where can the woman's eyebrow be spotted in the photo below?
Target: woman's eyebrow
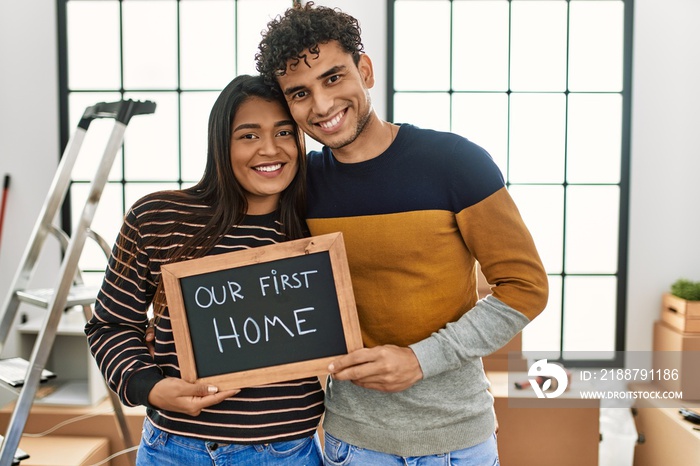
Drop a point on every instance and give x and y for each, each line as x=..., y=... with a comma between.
x=246, y=126
x=257, y=126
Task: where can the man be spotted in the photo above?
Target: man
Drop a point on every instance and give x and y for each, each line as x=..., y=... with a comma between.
x=417, y=209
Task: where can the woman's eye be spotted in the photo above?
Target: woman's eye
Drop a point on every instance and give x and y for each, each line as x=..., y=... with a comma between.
x=285, y=132
x=249, y=136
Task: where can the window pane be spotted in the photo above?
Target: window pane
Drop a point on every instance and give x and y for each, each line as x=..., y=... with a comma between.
x=538, y=126
x=594, y=141
x=151, y=141
x=480, y=45
x=544, y=333
x=93, y=61
x=425, y=110
x=538, y=46
x=150, y=44
x=196, y=107
x=253, y=16
x=592, y=223
x=135, y=191
x=483, y=119
x=93, y=279
x=207, y=44
x=106, y=223
x=589, y=313
x=94, y=144
x=542, y=209
x=422, y=45
x=596, y=45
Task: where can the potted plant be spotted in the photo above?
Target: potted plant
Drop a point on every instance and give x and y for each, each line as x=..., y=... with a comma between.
x=681, y=307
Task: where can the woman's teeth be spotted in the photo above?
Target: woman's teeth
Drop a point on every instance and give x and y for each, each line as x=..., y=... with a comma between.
x=268, y=168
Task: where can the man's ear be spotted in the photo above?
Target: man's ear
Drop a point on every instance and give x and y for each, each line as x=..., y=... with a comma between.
x=366, y=70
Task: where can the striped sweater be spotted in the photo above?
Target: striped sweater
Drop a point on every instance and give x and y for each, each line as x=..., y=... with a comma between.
x=270, y=413
x=415, y=219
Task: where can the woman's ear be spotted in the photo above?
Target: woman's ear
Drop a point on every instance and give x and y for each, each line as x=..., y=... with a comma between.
x=364, y=66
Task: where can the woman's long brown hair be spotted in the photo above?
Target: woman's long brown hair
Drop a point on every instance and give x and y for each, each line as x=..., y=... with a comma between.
x=220, y=191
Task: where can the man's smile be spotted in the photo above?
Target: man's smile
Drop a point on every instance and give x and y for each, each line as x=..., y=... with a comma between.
x=333, y=122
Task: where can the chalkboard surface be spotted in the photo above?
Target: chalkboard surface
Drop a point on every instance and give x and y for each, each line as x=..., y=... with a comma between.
x=262, y=315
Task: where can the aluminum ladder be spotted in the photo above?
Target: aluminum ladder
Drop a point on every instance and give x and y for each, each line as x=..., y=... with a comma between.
x=69, y=290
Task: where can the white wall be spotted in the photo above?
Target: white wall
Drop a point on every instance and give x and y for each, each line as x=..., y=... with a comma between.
x=665, y=186
x=665, y=155
x=29, y=141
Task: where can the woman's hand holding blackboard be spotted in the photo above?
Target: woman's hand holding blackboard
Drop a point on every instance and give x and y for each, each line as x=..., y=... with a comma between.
x=387, y=368
x=171, y=394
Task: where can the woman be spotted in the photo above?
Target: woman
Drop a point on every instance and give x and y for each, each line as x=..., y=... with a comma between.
x=251, y=194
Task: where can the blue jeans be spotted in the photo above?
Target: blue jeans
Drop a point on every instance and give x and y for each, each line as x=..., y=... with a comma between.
x=338, y=453
x=159, y=448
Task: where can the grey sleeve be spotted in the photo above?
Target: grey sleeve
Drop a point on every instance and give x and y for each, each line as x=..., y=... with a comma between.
x=481, y=331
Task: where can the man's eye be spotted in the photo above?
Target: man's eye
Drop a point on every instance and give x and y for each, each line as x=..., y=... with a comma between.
x=300, y=95
x=333, y=78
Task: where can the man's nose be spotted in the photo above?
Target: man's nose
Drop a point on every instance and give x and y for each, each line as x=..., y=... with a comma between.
x=322, y=103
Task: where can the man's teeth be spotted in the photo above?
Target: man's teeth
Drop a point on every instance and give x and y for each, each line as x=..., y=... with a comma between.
x=268, y=168
x=333, y=122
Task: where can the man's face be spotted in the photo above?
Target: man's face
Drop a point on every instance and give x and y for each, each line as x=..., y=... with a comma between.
x=328, y=95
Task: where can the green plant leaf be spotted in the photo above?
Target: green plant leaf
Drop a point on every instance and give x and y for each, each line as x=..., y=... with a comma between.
x=686, y=289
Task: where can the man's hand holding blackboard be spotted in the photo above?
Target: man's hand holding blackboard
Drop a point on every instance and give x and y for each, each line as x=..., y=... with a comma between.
x=172, y=394
x=386, y=368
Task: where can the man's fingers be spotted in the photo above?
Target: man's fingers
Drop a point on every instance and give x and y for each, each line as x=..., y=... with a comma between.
x=361, y=356
x=386, y=368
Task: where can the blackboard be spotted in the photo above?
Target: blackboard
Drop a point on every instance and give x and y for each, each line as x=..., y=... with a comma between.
x=262, y=315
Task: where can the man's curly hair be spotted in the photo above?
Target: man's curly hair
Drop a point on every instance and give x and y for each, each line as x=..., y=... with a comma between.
x=303, y=28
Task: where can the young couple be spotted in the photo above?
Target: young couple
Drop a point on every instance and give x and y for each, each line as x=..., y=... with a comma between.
x=417, y=209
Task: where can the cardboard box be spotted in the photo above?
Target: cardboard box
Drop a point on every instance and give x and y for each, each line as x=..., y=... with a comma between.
x=503, y=364
x=681, y=314
x=546, y=435
x=101, y=423
x=498, y=360
x=665, y=438
x=64, y=451
x=676, y=360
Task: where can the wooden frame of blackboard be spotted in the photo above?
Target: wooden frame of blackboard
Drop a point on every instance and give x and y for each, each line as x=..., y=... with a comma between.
x=173, y=273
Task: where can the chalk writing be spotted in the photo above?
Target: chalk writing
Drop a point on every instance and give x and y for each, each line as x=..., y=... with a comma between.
x=257, y=333
x=210, y=295
x=282, y=282
x=257, y=315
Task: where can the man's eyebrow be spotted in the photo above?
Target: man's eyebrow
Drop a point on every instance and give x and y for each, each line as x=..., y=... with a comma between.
x=292, y=90
x=330, y=72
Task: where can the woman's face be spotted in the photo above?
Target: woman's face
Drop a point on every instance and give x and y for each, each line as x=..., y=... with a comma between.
x=263, y=152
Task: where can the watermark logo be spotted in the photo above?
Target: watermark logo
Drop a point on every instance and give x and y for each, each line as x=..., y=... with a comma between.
x=545, y=376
